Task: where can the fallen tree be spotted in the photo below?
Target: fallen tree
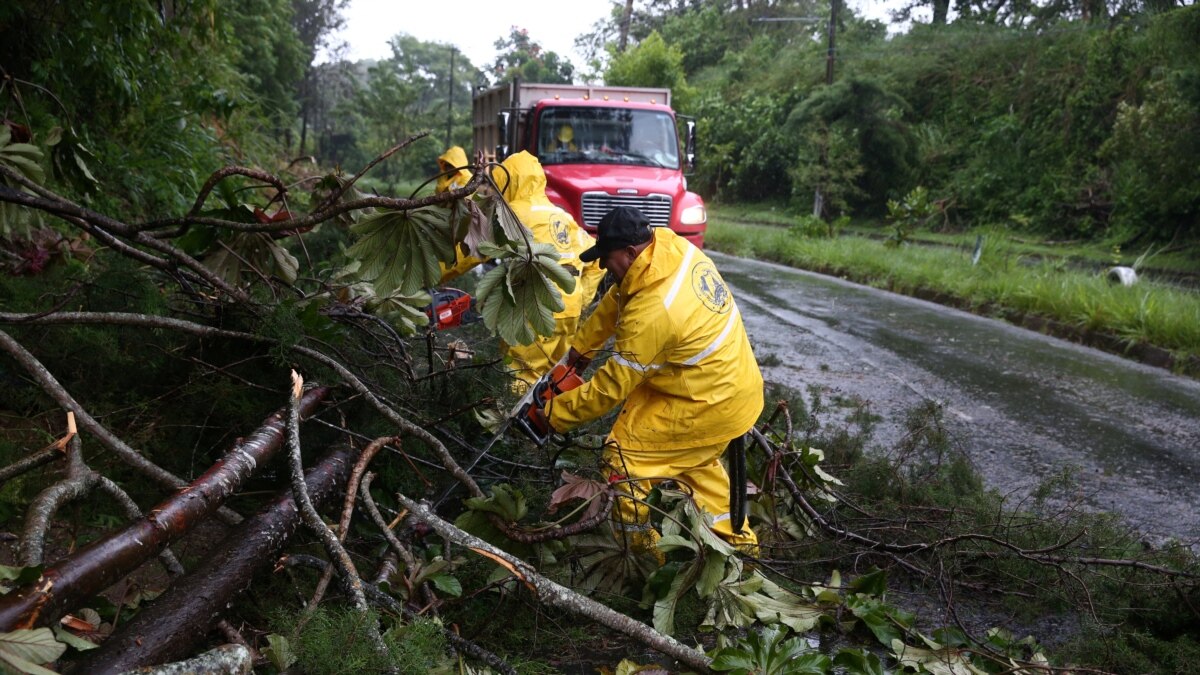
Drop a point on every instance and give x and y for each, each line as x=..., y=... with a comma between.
x=178, y=621
x=61, y=587
x=236, y=293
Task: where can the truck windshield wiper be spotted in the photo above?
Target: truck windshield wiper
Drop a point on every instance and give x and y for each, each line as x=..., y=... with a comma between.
x=639, y=156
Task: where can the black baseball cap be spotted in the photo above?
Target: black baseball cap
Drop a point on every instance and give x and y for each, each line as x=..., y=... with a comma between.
x=621, y=227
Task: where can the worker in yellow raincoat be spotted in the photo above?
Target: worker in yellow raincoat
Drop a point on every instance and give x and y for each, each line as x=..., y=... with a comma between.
x=681, y=364
x=454, y=158
x=523, y=183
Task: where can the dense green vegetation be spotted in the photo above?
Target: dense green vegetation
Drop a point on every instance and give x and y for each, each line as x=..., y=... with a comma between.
x=1033, y=118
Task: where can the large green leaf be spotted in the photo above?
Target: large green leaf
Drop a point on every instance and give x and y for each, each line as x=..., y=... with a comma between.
x=279, y=652
x=937, y=660
x=27, y=650
x=246, y=255
x=519, y=297
x=505, y=501
x=23, y=158
x=401, y=250
x=859, y=662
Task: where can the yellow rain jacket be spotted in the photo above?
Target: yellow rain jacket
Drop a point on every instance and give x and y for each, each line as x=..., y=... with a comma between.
x=454, y=157
x=682, y=363
x=524, y=185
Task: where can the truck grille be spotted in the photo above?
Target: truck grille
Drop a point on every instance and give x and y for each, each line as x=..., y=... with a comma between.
x=655, y=207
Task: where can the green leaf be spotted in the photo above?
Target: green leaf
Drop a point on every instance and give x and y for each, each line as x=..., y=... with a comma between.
x=664, y=609
x=873, y=583
x=504, y=501
x=859, y=662
x=35, y=646
x=285, y=265
x=197, y=240
x=72, y=640
x=447, y=584
x=711, y=575
x=24, y=666
x=25, y=166
x=730, y=658
x=938, y=661
x=279, y=651
x=401, y=250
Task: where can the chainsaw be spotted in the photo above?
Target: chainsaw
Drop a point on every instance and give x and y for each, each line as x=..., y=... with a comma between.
x=450, y=308
x=528, y=415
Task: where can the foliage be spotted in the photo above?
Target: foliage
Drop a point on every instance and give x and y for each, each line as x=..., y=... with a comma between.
x=401, y=250
x=912, y=212
x=334, y=641
x=519, y=56
x=769, y=651
x=26, y=651
x=518, y=298
x=869, y=117
x=652, y=63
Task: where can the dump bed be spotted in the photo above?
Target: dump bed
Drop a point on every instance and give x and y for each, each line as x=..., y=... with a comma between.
x=518, y=97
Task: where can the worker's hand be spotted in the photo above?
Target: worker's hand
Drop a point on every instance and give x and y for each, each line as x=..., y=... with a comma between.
x=577, y=362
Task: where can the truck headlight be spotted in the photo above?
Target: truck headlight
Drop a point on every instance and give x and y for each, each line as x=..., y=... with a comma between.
x=694, y=215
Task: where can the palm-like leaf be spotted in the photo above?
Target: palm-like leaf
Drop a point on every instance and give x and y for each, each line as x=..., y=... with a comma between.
x=400, y=250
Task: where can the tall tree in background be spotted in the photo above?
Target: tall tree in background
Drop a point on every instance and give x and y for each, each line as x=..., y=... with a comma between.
x=315, y=21
x=652, y=63
x=271, y=57
x=521, y=57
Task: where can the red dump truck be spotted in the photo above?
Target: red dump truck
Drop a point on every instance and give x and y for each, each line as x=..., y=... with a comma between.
x=601, y=147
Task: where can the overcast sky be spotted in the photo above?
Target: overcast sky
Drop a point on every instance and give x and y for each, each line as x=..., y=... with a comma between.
x=474, y=25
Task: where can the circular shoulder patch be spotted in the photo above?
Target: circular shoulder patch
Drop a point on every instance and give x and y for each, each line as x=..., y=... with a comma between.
x=710, y=287
x=560, y=231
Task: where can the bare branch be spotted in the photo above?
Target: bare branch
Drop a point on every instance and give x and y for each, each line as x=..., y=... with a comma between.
x=559, y=596
x=308, y=513
x=225, y=172
x=86, y=421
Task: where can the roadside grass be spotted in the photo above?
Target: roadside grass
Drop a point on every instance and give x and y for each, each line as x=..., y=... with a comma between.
x=1182, y=259
x=1145, y=314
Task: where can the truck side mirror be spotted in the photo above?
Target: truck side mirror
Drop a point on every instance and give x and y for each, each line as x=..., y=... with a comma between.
x=502, y=120
x=689, y=148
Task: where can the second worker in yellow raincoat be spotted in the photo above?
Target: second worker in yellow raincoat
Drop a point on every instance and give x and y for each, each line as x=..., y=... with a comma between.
x=681, y=364
x=451, y=179
x=523, y=183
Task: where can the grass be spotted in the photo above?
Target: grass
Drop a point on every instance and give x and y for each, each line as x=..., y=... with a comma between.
x=1181, y=259
x=1145, y=314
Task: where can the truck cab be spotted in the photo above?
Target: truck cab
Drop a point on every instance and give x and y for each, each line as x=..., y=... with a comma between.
x=600, y=147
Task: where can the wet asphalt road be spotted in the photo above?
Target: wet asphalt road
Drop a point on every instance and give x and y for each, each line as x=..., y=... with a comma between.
x=1023, y=406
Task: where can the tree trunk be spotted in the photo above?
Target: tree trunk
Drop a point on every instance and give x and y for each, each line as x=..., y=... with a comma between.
x=941, y=10
x=178, y=620
x=626, y=19
x=79, y=576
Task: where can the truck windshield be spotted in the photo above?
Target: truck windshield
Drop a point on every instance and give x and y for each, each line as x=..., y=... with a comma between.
x=578, y=135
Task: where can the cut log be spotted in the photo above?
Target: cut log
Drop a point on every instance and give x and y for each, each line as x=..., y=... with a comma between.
x=70, y=581
x=172, y=626
x=224, y=660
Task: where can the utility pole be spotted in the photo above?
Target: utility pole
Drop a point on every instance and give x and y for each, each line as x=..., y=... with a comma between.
x=450, y=99
x=818, y=198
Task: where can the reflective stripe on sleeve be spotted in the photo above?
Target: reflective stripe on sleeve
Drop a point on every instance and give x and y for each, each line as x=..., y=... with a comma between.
x=733, y=315
x=682, y=274
x=634, y=365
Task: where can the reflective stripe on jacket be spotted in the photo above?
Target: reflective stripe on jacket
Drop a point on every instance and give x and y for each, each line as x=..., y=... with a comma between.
x=682, y=363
